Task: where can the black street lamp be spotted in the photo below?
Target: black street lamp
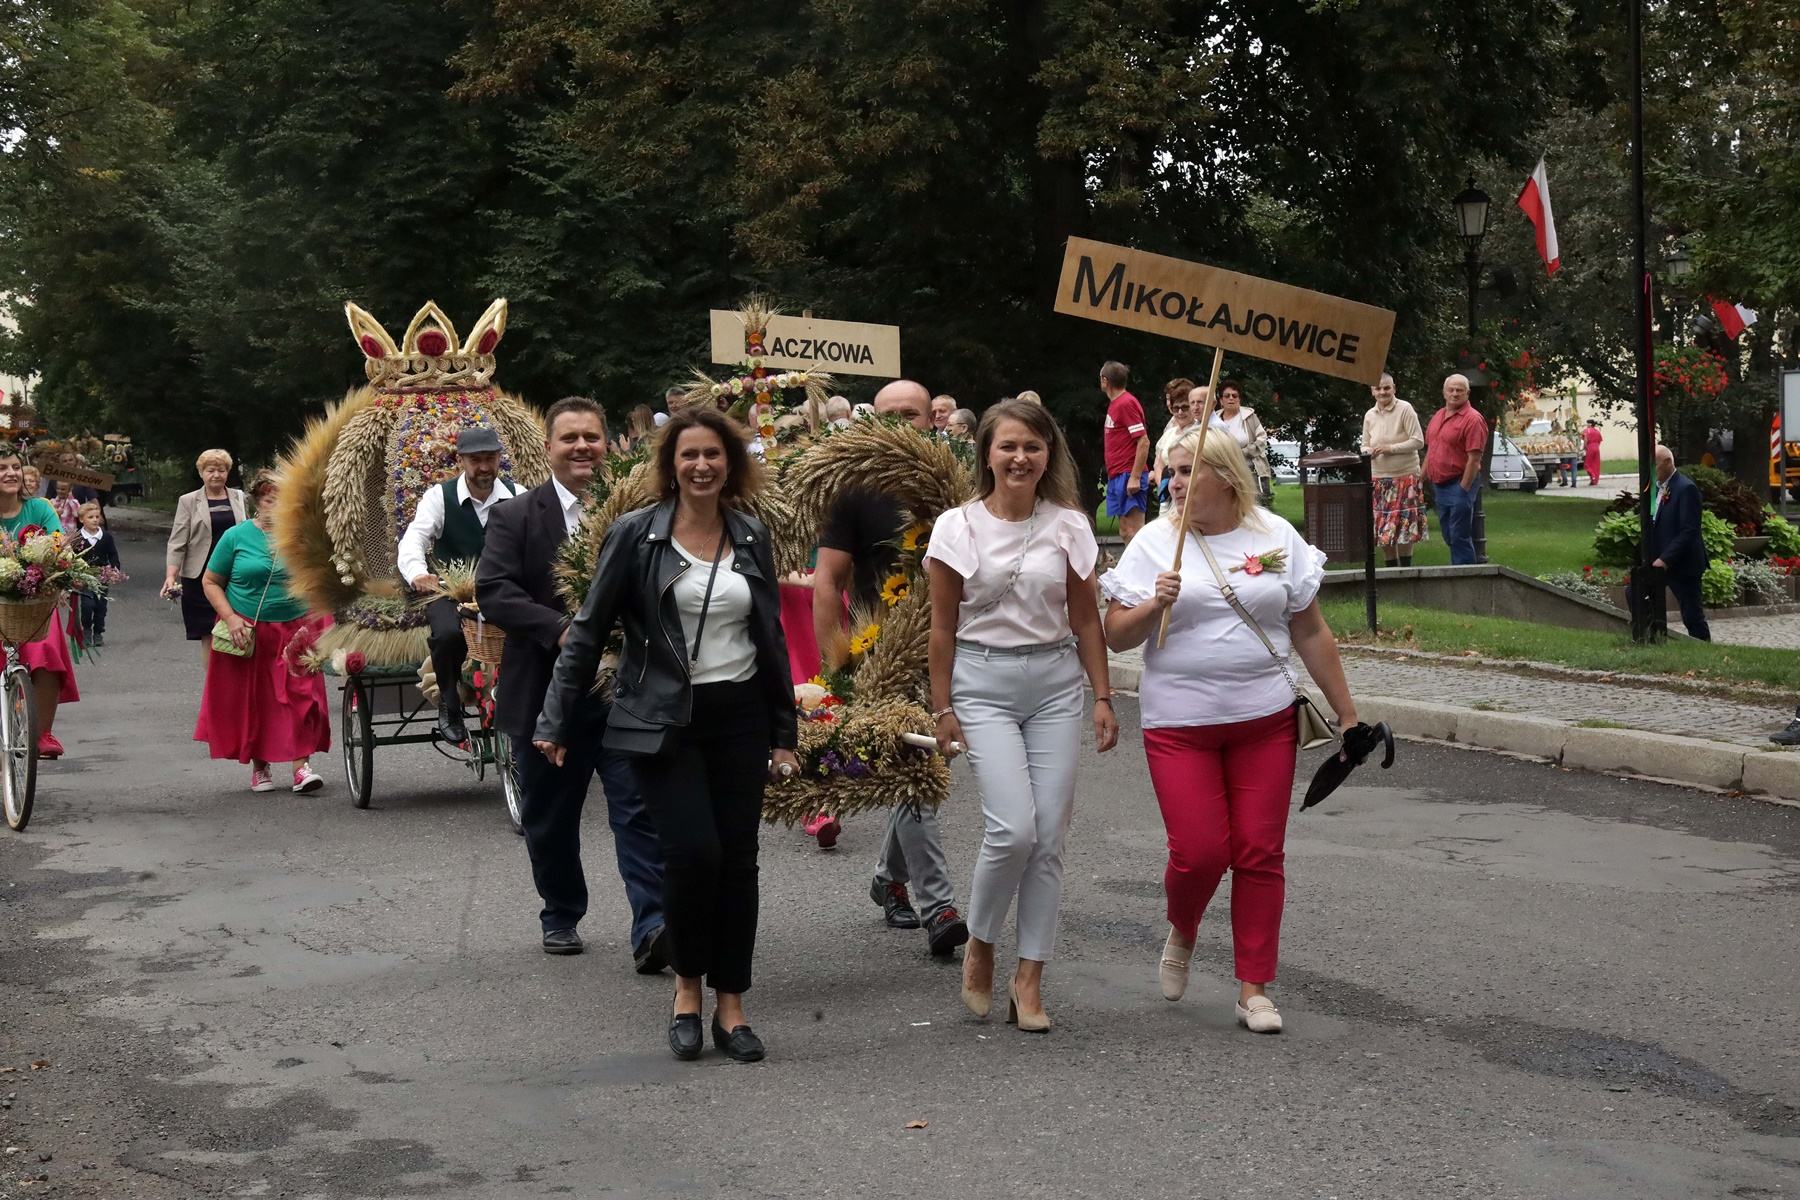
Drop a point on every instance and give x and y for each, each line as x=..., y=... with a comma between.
x=1471, y=206
x=1471, y=225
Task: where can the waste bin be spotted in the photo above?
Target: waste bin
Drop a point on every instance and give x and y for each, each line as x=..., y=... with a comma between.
x=1335, y=488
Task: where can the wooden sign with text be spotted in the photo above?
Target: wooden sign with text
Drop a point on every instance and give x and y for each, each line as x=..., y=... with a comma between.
x=1239, y=313
x=802, y=343
x=100, y=481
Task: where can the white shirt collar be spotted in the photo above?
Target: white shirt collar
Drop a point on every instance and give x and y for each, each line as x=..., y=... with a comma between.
x=92, y=539
x=499, y=493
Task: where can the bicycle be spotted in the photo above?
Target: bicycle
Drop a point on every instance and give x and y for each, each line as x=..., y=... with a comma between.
x=21, y=621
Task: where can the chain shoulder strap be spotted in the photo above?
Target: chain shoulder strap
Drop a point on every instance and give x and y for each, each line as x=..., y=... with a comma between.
x=1018, y=567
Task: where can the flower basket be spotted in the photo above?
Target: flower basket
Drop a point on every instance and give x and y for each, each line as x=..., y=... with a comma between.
x=23, y=621
x=485, y=640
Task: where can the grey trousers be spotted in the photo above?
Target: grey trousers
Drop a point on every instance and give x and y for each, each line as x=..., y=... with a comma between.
x=1021, y=717
x=913, y=854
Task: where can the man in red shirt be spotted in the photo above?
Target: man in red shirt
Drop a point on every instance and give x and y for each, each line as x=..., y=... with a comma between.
x=1454, y=442
x=1127, y=446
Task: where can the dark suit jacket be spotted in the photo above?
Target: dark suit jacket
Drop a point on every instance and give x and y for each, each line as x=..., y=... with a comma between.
x=1678, y=542
x=516, y=588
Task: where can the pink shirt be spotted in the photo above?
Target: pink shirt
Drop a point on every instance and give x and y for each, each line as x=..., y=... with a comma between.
x=1015, y=592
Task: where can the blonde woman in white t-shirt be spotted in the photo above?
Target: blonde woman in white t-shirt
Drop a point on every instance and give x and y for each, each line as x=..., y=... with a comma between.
x=1014, y=625
x=1218, y=708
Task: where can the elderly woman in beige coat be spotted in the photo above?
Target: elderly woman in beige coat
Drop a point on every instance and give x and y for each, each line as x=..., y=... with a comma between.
x=201, y=518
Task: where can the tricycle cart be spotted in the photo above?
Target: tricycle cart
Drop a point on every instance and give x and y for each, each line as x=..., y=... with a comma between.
x=383, y=706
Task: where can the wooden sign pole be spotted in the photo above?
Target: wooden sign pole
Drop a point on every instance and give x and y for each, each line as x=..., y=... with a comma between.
x=1187, y=501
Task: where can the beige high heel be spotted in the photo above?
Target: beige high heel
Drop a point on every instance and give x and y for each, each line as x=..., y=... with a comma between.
x=979, y=1001
x=1026, y=1022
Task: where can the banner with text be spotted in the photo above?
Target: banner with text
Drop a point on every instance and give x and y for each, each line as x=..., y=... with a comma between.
x=1240, y=313
x=840, y=347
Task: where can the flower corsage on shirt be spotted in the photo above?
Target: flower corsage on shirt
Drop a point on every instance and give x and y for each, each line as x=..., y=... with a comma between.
x=1274, y=561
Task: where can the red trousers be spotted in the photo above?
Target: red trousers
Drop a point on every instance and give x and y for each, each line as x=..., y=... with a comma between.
x=1224, y=792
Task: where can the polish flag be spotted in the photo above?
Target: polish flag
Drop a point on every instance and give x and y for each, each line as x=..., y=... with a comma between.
x=1733, y=318
x=1534, y=202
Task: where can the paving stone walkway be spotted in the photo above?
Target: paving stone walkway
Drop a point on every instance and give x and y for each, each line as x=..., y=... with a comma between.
x=1575, y=700
x=1779, y=633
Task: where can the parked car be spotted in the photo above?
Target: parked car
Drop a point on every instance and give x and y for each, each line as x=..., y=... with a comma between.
x=1511, y=469
x=1284, y=460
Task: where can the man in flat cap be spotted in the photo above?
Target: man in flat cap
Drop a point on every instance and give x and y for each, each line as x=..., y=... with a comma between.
x=449, y=525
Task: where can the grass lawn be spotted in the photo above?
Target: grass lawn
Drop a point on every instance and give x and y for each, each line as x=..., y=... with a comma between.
x=1618, y=466
x=1529, y=533
x=1495, y=637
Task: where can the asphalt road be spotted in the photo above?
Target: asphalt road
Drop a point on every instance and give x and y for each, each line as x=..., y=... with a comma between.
x=1500, y=980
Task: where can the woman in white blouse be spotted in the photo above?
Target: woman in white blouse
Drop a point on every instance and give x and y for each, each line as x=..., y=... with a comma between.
x=1014, y=624
x=1246, y=429
x=1218, y=706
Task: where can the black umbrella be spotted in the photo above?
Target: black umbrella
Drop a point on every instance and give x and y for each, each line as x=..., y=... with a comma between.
x=1359, y=742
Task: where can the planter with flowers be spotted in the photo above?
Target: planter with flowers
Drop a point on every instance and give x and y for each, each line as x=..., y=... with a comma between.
x=37, y=569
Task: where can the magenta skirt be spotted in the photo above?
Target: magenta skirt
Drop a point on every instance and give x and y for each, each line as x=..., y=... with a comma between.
x=797, y=627
x=51, y=653
x=255, y=709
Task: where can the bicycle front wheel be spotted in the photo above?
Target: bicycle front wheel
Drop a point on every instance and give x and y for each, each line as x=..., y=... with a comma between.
x=18, y=742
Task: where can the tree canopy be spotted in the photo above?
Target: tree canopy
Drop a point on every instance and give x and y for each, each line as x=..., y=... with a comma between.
x=192, y=188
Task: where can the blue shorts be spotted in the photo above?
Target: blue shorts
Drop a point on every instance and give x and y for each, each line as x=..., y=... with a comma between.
x=1119, y=501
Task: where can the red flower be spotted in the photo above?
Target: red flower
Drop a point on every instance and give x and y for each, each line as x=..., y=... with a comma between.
x=354, y=662
x=29, y=532
x=1252, y=565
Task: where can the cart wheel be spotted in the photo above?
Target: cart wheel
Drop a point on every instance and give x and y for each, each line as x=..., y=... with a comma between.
x=359, y=743
x=18, y=741
x=509, y=780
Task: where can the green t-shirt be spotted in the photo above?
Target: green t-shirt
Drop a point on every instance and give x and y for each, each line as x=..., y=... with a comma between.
x=244, y=559
x=36, y=511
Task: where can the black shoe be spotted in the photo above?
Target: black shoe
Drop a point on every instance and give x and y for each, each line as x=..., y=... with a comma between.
x=98, y=639
x=945, y=932
x=686, y=1038
x=652, y=954
x=562, y=941
x=1789, y=736
x=895, y=903
x=450, y=723
x=740, y=1044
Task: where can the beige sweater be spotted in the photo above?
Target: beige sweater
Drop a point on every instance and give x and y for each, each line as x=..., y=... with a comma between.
x=1398, y=429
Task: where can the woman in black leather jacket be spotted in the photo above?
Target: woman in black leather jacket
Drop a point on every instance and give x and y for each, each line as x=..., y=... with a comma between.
x=701, y=699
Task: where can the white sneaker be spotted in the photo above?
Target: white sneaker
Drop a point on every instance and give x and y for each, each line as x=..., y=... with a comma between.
x=261, y=780
x=1259, y=1015
x=1172, y=971
x=307, y=780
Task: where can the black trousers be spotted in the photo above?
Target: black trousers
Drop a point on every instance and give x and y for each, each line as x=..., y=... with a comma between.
x=93, y=613
x=705, y=793
x=1686, y=589
x=448, y=649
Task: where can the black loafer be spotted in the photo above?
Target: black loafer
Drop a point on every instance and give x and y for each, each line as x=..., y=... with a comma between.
x=945, y=932
x=686, y=1038
x=562, y=941
x=652, y=954
x=740, y=1044
x=896, y=905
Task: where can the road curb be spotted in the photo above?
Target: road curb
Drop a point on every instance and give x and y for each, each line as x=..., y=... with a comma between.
x=1694, y=762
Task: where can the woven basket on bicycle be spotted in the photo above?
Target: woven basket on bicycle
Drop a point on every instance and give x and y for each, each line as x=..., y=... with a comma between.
x=24, y=621
x=485, y=640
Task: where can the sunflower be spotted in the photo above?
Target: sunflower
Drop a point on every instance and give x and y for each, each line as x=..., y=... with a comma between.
x=864, y=641
x=894, y=589
x=911, y=539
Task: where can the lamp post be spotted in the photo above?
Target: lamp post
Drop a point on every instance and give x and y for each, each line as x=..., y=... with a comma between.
x=1471, y=206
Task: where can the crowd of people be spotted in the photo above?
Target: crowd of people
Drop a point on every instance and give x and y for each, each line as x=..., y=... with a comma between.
x=700, y=713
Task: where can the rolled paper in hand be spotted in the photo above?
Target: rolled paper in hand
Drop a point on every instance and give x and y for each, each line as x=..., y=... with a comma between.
x=925, y=741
